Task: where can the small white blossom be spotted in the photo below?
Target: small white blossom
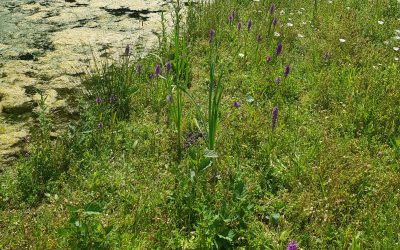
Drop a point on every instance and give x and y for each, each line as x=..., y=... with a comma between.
x=289, y=24
x=277, y=34
x=396, y=48
x=300, y=36
x=241, y=55
x=381, y=22
x=342, y=40
x=386, y=42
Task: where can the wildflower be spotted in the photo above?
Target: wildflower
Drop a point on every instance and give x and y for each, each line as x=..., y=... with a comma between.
x=275, y=22
x=279, y=49
x=236, y=104
x=100, y=125
x=249, y=25
x=269, y=59
x=342, y=40
x=293, y=245
x=139, y=68
x=289, y=24
x=113, y=98
x=275, y=112
x=277, y=34
x=127, y=50
x=396, y=48
x=326, y=56
x=158, y=69
x=259, y=38
x=168, y=66
x=169, y=98
x=286, y=71
x=98, y=100
x=211, y=35
x=300, y=35
x=381, y=22
x=230, y=19
x=272, y=9
x=151, y=75
x=241, y=55
x=239, y=26
x=278, y=80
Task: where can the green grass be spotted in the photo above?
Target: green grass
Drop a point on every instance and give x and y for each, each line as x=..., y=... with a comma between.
x=327, y=176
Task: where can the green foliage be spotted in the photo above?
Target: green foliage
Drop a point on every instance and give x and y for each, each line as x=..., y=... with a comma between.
x=44, y=166
x=326, y=176
x=215, y=90
x=85, y=230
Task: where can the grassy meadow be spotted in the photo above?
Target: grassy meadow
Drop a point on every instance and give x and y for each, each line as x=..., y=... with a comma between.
x=253, y=125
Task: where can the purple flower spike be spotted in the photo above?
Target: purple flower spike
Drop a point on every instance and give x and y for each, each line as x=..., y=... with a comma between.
x=158, y=69
x=286, y=70
x=230, y=19
x=127, y=50
x=139, y=68
x=100, y=126
x=272, y=9
x=169, y=98
x=326, y=56
x=275, y=22
x=279, y=49
x=168, y=66
x=275, y=112
x=293, y=245
x=98, y=100
x=239, y=26
x=269, y=59
x=211, y=35
x=278, y=80
x=259, y=38
x=249, y=25
x=236, y=104
x=151, y=75
x=113, y=99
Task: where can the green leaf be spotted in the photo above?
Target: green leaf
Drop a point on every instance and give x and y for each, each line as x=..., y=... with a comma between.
x=229, y=237
x=93, y=208
x=275, y=217
x=249, y=99
x=210, y=153
x=192, y=175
